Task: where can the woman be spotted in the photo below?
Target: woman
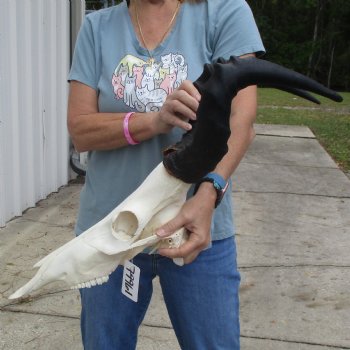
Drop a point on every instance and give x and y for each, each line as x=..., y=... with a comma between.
x=142, y=56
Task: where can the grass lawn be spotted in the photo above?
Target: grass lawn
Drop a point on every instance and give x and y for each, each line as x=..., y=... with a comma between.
x=330, y=121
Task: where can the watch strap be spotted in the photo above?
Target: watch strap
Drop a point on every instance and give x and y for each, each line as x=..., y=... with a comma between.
x=219, y=183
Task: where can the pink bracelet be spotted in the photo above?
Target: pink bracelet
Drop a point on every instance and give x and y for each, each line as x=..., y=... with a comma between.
x=127, y=135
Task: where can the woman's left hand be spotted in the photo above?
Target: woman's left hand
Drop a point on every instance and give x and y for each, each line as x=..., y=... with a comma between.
x=195, y=216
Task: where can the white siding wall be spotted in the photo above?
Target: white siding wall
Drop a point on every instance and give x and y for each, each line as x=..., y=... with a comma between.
x=34, y=63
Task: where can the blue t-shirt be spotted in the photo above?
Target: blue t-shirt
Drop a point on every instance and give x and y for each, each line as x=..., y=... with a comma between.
x=109, y=58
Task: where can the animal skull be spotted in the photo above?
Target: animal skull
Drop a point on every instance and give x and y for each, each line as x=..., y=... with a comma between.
x=90, y=258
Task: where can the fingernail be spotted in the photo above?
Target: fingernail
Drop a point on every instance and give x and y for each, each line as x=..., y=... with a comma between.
x=161, y=233
x=188, y=127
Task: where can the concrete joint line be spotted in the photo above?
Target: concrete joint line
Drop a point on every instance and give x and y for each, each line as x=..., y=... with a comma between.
x=50, y=224
x=292, y=193
x=29, y=299
x=149, y=325
x=293, y=165
x=9, y=310
x=293, y=266
x=21, y=311
x=296, y=342
x=287, y=136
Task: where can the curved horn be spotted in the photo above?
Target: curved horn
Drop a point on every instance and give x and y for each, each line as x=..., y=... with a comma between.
x=253, y=71
x=298, y=92
x=204, y=146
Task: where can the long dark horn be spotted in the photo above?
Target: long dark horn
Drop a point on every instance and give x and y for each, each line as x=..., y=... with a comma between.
x=204, y=146
x=297, y=92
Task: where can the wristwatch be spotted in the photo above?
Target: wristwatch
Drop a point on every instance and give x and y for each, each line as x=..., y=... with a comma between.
x=219, y=183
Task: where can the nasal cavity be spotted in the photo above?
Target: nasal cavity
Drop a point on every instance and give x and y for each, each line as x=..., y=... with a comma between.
x=125, y=225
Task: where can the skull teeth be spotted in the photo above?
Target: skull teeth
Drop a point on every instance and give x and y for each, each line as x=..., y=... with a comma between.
x=94, y=282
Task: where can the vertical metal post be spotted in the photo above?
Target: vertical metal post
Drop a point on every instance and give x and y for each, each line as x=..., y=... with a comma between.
x=77, y=13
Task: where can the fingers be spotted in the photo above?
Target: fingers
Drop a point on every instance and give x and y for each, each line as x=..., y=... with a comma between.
x=188, y=86
x=188, y=251
x=173, y=117
x=195, y=217
x=181, y=103
x=181, y=106
x=184, y=103
x=171, y=226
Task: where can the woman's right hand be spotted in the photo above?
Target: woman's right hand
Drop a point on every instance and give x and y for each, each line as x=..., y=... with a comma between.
x=179, y=107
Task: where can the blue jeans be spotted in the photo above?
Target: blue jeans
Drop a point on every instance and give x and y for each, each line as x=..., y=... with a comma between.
x=201, y=298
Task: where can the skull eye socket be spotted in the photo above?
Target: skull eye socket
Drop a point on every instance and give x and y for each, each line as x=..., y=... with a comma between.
x=125, y=225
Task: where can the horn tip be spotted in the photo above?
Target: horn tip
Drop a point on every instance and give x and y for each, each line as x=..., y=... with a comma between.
x=338, y=98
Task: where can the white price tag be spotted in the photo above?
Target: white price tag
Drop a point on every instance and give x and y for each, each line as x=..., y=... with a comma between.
x=131, y=278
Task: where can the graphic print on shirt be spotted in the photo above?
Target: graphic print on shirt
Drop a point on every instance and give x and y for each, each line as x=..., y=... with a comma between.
x=143, y=85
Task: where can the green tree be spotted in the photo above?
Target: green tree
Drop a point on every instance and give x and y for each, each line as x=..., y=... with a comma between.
x=93, y=5
x=310, y=36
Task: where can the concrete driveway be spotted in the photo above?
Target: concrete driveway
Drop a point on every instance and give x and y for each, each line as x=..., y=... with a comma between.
x=292, y=208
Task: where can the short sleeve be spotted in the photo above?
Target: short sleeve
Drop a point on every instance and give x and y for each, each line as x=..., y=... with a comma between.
x=235, y=31
x=85, y=64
